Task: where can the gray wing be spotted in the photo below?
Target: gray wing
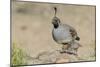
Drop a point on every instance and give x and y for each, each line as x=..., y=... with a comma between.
x=71, y=30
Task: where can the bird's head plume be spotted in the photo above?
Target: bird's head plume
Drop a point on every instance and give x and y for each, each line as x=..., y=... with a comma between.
x=55, y=10
x=55, y=20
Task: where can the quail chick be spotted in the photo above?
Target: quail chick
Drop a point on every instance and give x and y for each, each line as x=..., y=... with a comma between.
x=63, y=33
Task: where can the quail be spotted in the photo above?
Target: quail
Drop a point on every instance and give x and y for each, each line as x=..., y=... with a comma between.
x=63, y=34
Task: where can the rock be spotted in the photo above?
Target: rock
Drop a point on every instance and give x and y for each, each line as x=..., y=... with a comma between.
x=51, y=57
x=57, y=57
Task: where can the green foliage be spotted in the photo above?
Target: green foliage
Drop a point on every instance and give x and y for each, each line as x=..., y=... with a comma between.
x=18, y=56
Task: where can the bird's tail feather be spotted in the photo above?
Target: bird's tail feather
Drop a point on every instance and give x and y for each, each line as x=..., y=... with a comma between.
x=77, y=38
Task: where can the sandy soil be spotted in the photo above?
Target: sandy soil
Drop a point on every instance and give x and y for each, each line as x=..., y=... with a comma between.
x=32, y=27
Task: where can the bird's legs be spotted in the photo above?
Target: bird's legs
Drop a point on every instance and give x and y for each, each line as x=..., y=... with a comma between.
x=64, y=48
x=70, y=48
x=71, y=51
x=73, y=48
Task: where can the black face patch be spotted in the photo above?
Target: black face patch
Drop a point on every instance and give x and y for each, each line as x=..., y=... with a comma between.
x=56, y=25
x=56, y=22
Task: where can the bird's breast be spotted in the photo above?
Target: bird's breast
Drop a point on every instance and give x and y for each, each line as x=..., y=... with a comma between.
x=61, y=35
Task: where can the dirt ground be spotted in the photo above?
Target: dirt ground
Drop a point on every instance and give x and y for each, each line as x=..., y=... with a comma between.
x=32, y=27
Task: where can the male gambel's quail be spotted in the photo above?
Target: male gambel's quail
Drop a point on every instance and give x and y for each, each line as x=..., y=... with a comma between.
x=63, y=33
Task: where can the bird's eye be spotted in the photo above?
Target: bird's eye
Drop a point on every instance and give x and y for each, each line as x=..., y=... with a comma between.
x=55, y=20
